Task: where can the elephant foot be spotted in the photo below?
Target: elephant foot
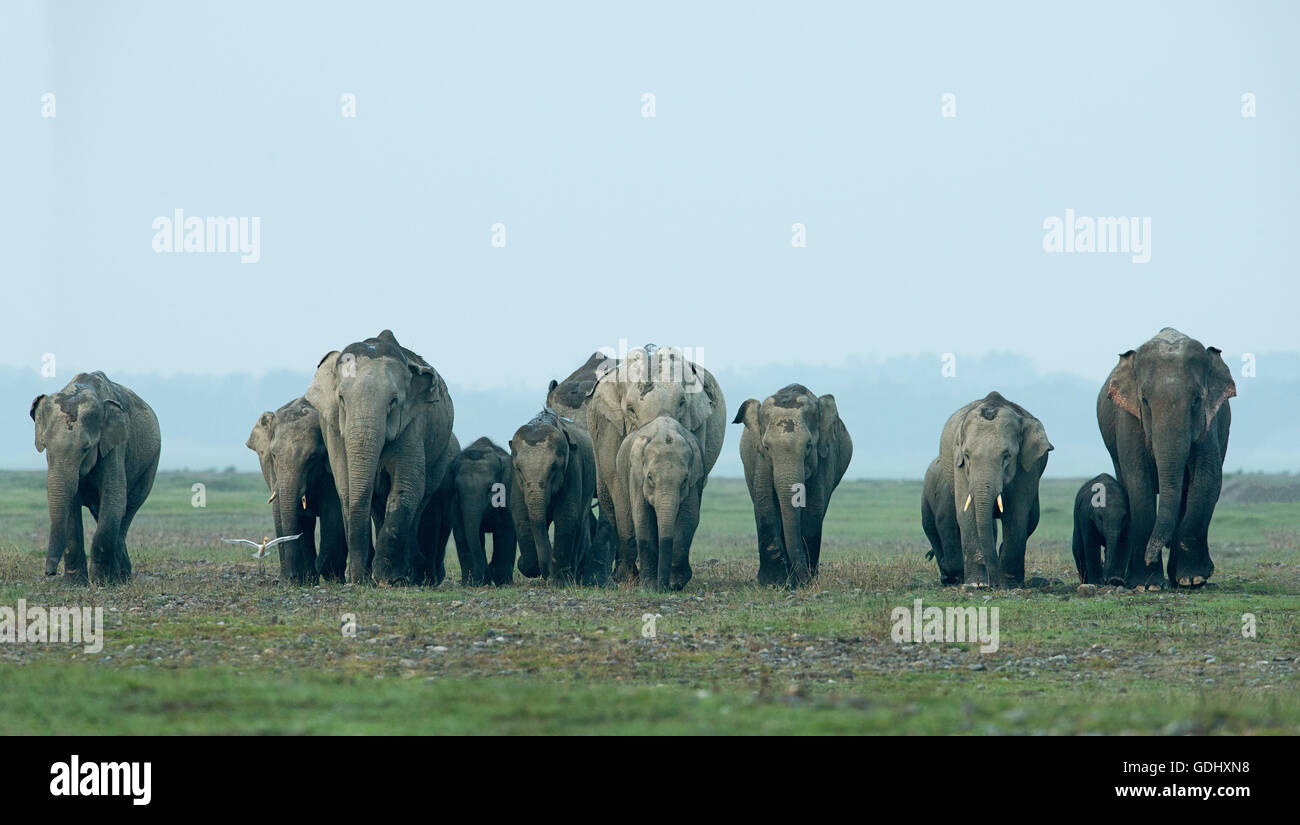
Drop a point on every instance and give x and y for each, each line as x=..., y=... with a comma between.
x=950, y=580
x=1150, y=580
x=74, y=576
x=772, y=575
x=680, y=577
x=625, y=572
x=1190, y=568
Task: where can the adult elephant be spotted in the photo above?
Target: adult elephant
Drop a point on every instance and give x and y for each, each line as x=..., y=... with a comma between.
x=993, y=453
x=795, y=449
x=1164, y=415
x=649, y=382
x=387, y=418
x=101, y=445
x=291, y=450
x=568, y=398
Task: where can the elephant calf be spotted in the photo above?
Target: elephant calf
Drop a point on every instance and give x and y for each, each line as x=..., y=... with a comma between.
x=291, y=449
x=795, y=450
x=101, y=445
x=939, y=521
x=553, y=478
x=1100, y=520
x=663, y=466
x=481, y=479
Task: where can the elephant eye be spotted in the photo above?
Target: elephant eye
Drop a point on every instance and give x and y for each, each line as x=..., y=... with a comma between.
x=1196, y=401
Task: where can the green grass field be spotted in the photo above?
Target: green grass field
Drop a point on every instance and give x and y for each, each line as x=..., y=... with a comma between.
x=200, y=642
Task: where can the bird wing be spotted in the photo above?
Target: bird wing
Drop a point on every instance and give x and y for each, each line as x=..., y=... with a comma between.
x=242, y=541
x=274, y=542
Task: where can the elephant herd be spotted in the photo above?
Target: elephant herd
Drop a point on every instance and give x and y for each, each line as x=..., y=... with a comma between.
x=366, y=460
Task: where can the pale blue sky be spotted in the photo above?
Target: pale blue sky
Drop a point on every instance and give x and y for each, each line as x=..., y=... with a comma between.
x=924, y=233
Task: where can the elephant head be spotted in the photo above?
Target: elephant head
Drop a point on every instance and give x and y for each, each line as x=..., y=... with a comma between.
x=989, y=444
x=569, y=397
x=540, y=453
x=76, y=428
x=290, y=446
x=1175, y=387
x=382, y=389
x=795, y=430
x=650, y=382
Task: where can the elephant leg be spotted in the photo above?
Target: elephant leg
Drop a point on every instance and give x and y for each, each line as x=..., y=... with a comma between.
x=627, y=552
x=570, y=531
x=501, y=570
x=647, y=544
x=332, y=556
x=434, y=531
x=1141, y=488
x=1092, y=568
x=773, y=568
x=1189, y=562
x=74, y=553
x=462, y=552
x=529, y=564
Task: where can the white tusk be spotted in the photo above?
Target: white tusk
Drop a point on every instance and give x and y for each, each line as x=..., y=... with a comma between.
x=967, y=507
x=272, y=498
x=999, y=504
x=304, y=502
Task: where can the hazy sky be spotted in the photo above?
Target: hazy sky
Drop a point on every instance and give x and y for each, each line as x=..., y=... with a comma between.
x=924, y=233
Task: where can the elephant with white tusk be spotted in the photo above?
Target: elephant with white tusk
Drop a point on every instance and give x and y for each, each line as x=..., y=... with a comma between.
x=291, y=450
x=992, y=454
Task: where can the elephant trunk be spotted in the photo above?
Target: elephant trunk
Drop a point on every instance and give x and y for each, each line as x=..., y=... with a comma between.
x=788, y=485
x=535, y=501
x=471, y=519
x=667, y=503
x=1171, y=465
x=288, y=500
x=61, y=488
x=984, y=494
x=362, y=446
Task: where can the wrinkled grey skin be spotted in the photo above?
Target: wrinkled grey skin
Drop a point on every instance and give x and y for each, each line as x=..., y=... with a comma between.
x=552, y=480
x=101, y=445
x=387, y=418
x=1164, y=415
x=993, y=447
x=793, y=441
x=939, y=521
x=429, y=555
x=1100, y=519
x=569, y=397
x=663, y=465
x=481, y=476
x=291, y=450
x=650, y=382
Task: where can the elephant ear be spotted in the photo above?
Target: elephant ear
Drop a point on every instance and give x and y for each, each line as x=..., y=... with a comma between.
x=1123, y=385
x=112, y=433
x=1219, y=386
x=259, y=440
x=699, y=402
x=607, y=402
x=828, y=422
x=1033, y=443
x=426, y=384
x=747, y=414
x=34, y=412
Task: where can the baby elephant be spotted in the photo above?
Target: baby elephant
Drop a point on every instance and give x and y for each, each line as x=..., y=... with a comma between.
x=1100, y=520
x=481, y=477
x=553, y=478
x=663, y=466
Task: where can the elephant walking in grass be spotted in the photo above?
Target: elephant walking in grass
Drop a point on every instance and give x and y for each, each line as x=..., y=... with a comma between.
x=1164, y=415
x=553, y=475
x=291, y=450
x=481, y=477
x=993, y=453
x=795, y=449
x=662, y=464
x=387, y=418
x=101, y=443
x=939, y=521
x=649, y=382
x=1100, y=520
